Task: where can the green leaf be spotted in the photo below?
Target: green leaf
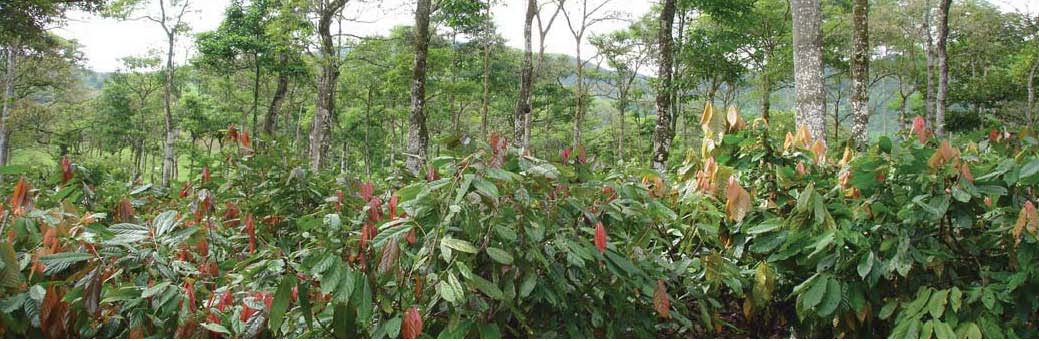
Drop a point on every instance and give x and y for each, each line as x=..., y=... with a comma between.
x=865, y=265
x=447, y=292
x=458, y=244
x=344, y=322
x=10, y=277
x=767, y=226
x=1029, y=169
x=389, y=230
x=486, y=287
x=392, y=327
x=936, y=306
x=304, y=303
x=155, y=289
x=60, y=261
x=831, y=300
x=165, y=222
x=955, y=299
x=499, y=255
x=887, y=310
x=968, y=330
x=216, y=328
x=943, y=331
x=814, y=295
x=280, y=305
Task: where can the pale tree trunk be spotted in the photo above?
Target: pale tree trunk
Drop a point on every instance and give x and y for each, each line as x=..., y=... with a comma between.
x=8, y=106
x=662, y=134
x=943, y=66
x=766, y=92
x=860, y=72
x=520, y=124
x=418, y=135
x=167, y=106
x=929, y=51
x=808, y=66
x=486, y=99
x=321, y=125
x=579, y=93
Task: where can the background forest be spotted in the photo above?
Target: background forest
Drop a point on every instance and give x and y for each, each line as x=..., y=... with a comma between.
x=723, y=168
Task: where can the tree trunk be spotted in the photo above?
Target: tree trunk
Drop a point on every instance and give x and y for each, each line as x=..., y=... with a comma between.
x=929, y=94
x=8, y=106
x=662, y=134
x=943, y=66
x=1029, y=112
x=256, y=91
x=766, y=92
x=418, y=135
x=321, y=125
x=860, y=72
x=520, y=118
x=486, y=99
x=808, y=66
x=167, y=99
x=279, y=97
x=579, y=94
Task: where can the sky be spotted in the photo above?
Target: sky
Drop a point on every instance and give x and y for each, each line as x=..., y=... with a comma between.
x=106, y=40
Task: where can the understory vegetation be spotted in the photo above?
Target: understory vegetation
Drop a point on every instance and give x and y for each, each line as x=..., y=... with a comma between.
x=751, y=236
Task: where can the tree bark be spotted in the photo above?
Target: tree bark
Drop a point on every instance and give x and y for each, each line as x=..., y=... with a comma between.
x=579, y=94
x=943, y=66
x=486, y=98
x=929, y=93
x=1029, y=112
x=808, y=66
x=167, y=101
x=520, y=125
x=321, y=125
x=860, y=72
x=8, y=106
x=662, y=134
x=418, y=135
x=279, y=97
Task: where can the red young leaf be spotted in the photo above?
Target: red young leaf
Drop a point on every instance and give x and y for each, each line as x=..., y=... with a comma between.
x=21, y=201
x=250, y=229
x=920, y=129
x=661, y=303
x=600, y=237
x=205, y=175
x=66, y=169
x=565, y=155
x=394, y=200
x=412, y=326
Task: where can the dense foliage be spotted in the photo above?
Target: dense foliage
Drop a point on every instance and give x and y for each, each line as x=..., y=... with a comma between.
x=751, y=237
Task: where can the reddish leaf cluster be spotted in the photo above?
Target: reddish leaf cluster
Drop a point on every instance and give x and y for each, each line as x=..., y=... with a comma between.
x=600, y=237
x=205, y=175
x=411, y=328
x=124, y=211
x=21, y=201
x=66, y=169
x=185, y=191
x=250, y=229
x=189, y=291
x=498, y=146
x=661, y=302
x=920, y=129
x=248, y=312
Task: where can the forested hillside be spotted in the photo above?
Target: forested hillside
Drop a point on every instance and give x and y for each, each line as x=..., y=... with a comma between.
x=715, y=168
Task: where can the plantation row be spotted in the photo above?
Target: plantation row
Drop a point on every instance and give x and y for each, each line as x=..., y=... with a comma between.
x=752, y=236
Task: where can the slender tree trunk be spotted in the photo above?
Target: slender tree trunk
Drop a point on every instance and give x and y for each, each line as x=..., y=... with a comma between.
x=943, y=66
x=929, y=94
x=256, y=91
x=1029, y=112
x=808, y=66
x=167, y=99
x=486, y=99
x=860, y=72
x=579, y=93
x=766, y=92
x=279, y=98
x=662, y=134
x=418, y=135
x=8, y=106
x=321, y=125
x=520, y=118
